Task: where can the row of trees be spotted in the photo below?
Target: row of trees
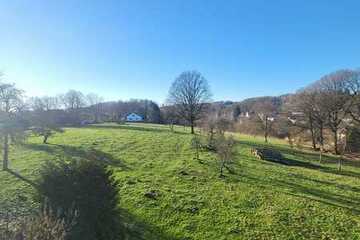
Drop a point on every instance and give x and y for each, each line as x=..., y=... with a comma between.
x=330, y=104
x=92, y=107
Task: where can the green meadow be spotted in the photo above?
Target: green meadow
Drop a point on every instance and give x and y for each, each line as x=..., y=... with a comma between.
x=259, y=200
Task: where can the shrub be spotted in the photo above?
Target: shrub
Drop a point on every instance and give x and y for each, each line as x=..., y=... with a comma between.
x=90, y=189
x=225, y=152
x=45, y=226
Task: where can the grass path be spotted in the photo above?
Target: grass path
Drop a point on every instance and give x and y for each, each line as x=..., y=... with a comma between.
x=261, y=200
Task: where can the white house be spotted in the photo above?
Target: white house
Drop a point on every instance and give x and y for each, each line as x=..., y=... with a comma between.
x=133, y=117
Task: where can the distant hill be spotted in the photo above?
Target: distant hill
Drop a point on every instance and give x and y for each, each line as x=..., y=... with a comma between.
x=231, y=109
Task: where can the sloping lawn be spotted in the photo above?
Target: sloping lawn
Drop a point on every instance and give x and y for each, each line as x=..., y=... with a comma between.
x=260, y=200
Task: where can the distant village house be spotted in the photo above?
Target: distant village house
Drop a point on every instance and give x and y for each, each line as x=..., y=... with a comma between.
x=133, y=117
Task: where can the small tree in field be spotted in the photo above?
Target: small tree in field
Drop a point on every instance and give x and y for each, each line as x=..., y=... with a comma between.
x=196, y=145
x=264, y=112
x=46, y=131
x=225, y=152
x=44, y=124
x=209, y=128
x=189, y=93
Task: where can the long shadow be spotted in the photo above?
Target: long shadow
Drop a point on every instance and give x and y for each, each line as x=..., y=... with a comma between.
x=312, y=193
x=332, y=184
x=306, y=156
x=137, y=229
x=135, y=128
x=85, y=153
x=22, y=178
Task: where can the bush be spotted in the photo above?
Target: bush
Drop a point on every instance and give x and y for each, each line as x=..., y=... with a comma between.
x=45, y=226
x=90, y=189
x=225, y=152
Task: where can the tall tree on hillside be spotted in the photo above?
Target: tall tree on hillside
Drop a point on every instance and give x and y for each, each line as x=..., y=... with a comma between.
x=189, y=93
x=302, y=108
x=336, y=100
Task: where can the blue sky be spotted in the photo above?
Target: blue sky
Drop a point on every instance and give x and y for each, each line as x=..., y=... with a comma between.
x=135, y=49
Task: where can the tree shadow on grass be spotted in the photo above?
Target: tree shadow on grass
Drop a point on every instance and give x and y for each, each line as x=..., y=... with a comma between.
x=328, y=183
x=22, y=178
x=85, y=153
x=137, y=229
x=296, y=189
x=134, y=128
x=305, y=159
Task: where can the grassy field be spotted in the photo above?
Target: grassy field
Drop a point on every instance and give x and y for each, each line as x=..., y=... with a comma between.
x=260, y=200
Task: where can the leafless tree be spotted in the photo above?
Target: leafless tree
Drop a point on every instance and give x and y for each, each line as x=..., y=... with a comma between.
x=265, y=116
x=196, y=145
x=11, y=125
x=44, y=122
x=302, y=113
x=335, y=100
x=94, y=102
x=169, y=116
x=225, y=152
x=353, y=85
x=189, y=93
x=73, y=100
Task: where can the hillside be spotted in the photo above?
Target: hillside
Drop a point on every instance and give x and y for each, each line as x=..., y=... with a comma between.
x=260, y=200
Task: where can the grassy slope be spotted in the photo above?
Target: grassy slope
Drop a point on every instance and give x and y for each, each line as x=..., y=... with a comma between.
x=262, y=200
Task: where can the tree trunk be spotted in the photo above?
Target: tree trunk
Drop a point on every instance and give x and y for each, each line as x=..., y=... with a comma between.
x=45, y=139
x=336, y=147
x=6, y=152
x=313, y=137
x=266, y=130
x=222, y=169
x=321, y=152
x=340, y=163
x=192, y=128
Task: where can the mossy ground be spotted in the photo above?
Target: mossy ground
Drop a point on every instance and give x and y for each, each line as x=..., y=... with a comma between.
x=260, y=200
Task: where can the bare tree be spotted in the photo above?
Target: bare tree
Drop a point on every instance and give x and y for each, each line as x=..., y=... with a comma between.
x=225, y=152
x=44, y=122
x=169, y=116
x=303, y=111
x=265, y=116
x=196, y=145
x=11, y=125
x=189, y=93
x=335, y=99
x=95, y=104
x=50, y=103
x=353, y=85
x=73, y=100
x=209, y=126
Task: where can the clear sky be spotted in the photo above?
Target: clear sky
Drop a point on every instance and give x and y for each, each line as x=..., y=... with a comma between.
x=135, y=49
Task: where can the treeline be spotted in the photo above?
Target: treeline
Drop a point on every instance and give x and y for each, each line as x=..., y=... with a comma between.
x=73, y=108
x=325, y=114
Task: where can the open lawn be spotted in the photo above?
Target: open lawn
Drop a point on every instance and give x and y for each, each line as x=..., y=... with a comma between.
x=260, y=200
